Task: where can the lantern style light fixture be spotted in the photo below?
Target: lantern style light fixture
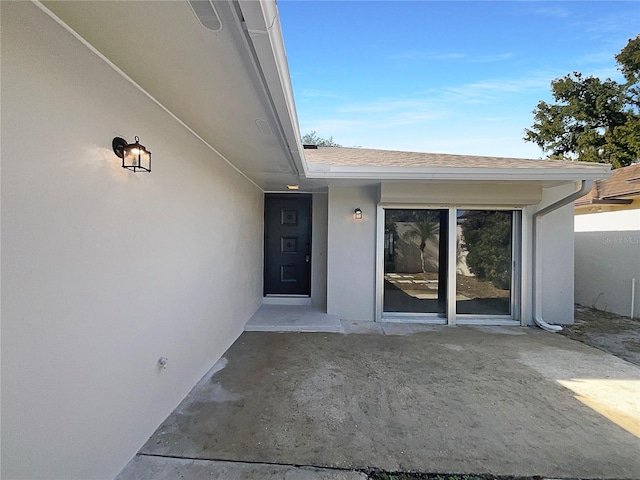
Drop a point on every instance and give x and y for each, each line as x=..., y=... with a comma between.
x=135, y=157
x=357, y=214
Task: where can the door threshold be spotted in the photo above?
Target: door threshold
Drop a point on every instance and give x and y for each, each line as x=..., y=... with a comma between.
x=488, y=322
x=286, y=300
x=414, y=319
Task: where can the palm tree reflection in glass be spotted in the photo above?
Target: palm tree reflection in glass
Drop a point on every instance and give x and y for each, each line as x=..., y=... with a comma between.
x=421, y=231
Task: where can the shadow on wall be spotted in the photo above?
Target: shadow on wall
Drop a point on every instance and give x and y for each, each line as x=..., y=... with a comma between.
x=605, y=265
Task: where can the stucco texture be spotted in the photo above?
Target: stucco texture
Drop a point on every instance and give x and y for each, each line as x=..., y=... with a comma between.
x=105, y=271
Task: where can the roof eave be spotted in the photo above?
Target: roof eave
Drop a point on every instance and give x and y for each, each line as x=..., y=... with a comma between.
x=264, y=29
x=322, y=171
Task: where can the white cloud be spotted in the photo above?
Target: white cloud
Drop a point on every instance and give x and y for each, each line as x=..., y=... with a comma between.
x=473, y=118
x=318, y=93
x=491, y=89
x=498, y=57
x=549, y=10
x=420, y=56
x=497, y=143
x=374, y=116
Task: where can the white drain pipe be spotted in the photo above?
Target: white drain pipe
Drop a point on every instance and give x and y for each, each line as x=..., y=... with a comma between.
x=537, y=277
x=633, y=296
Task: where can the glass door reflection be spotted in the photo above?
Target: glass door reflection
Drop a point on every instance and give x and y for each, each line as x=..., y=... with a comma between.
x=415, y=261
x=484, y=267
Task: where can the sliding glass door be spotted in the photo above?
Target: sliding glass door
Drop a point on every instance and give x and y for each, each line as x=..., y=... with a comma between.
x=415, y=261
x=484, y=254
x=420, y=248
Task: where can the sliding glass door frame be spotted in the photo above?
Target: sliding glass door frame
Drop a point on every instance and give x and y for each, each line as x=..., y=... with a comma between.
x=452, y=317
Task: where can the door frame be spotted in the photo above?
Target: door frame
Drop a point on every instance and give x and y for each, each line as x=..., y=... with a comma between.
x=453, y=318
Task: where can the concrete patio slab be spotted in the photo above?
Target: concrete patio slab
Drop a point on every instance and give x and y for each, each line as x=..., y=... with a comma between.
x=160, y=468
x=292, y=318
x=500, y=400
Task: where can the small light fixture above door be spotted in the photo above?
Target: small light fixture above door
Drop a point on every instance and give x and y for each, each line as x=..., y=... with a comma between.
x=135, y=157
x=357, y=214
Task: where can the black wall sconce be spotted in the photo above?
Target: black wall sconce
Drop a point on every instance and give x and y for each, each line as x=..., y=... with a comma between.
x=134, y=156
x=357, y=214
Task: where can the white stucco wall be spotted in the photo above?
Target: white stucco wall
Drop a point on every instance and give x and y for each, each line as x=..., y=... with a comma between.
x=103, y=270
x=319, y=251
x=607, y=259
x=352, y=253
x=555, y=247
x=618, y=221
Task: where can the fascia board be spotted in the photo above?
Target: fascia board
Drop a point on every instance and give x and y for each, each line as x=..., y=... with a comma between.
x=263, y=26
x=457, y=173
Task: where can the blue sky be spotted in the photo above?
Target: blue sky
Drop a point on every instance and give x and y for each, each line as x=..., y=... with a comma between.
x=453, y=76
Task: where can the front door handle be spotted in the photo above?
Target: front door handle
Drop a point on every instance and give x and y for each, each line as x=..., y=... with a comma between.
x=307, y=259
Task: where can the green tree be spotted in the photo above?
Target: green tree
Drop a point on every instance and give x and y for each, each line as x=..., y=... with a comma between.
x=424, y=229
x=593, y=120
x=313, y=139
x=486, y=236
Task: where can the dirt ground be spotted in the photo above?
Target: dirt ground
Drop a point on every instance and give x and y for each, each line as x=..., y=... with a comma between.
x=609, y=332
x=615, y=334
x=362, y=406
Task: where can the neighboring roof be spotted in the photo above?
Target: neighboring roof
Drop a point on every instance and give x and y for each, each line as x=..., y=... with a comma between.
x=623, y=184
x=361, y=162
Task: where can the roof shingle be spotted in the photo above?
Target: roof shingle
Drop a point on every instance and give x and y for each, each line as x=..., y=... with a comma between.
x=366, y=157
x=624, y=182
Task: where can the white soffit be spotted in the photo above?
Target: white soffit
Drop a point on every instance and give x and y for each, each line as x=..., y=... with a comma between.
x=209, y=79
x=206, y=12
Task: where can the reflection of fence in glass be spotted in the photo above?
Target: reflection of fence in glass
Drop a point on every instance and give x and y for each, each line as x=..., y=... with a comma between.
x=412, y=241
x=412, y=261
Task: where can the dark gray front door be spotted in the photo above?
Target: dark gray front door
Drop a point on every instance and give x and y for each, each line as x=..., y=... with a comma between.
x=287, y=264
